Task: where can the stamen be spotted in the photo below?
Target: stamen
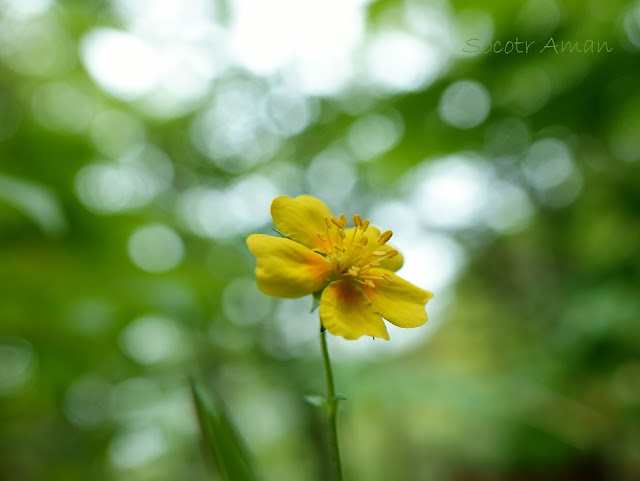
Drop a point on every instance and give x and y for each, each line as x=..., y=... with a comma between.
x=384, y=237
x=348, y=255
x=353, y=271
x=353, y=237
x=331, y=246
x=378, y=278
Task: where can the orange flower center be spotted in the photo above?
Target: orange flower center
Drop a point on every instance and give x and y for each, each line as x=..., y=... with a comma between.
x=350, y=255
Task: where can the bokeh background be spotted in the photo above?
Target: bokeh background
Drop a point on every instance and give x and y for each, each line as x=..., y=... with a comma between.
x=141, y=141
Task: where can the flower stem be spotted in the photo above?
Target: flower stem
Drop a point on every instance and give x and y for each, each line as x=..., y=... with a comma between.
x=332, y=406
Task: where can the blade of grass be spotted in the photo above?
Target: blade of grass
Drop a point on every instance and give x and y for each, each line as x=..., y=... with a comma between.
x=222, y=440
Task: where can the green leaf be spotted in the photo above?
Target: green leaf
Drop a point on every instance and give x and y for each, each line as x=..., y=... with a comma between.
x=316, y=300
x=316, y=400
x=222, y=440
x=321, y=401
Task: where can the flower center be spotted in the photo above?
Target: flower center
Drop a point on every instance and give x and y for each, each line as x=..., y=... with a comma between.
x=351, y=255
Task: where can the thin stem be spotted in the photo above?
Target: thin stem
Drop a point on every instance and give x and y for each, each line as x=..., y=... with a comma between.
x=332, y=406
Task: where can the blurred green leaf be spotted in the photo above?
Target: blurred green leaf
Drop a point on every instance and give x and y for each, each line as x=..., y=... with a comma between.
x=316, y=400
x=316, y=302
x=321, y=401
x=221, y=438
x=36, y=201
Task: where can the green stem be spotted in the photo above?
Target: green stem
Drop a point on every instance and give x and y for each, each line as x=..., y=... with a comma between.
x=332, y=406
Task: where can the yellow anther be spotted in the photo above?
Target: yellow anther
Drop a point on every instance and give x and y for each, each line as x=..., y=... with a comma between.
x=353, y=271
x=379, y=278
x=384, y=237
x=348, y=255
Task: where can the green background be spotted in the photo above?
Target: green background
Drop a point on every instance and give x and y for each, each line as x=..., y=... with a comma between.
x=511, y=181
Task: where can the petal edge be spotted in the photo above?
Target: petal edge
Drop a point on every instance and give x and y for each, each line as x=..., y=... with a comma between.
x=301, y=219
x=285, y=268
x=345, y=311
x=398, y=301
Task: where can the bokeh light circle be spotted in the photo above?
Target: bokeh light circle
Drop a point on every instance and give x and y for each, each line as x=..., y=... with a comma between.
x=155, y=248
x=464, y=104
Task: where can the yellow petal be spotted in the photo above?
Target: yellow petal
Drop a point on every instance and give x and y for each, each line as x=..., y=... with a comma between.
x=394, y=263
x=286, y=268
x=398, y=301
x=372, y=235
x=301, y=219
x=345, y=311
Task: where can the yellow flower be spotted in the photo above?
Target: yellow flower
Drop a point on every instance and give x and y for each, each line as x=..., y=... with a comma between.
x=353, y=269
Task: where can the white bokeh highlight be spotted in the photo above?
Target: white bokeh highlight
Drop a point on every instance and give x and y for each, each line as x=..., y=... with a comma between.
x=151, y=339
x=464, y=104
x=155, y=248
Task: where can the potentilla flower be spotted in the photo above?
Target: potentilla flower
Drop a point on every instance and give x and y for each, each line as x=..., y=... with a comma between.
x=351, y=270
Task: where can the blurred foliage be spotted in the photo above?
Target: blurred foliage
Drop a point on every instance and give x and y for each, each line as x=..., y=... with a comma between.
x=124, y=203
x=221, y=438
